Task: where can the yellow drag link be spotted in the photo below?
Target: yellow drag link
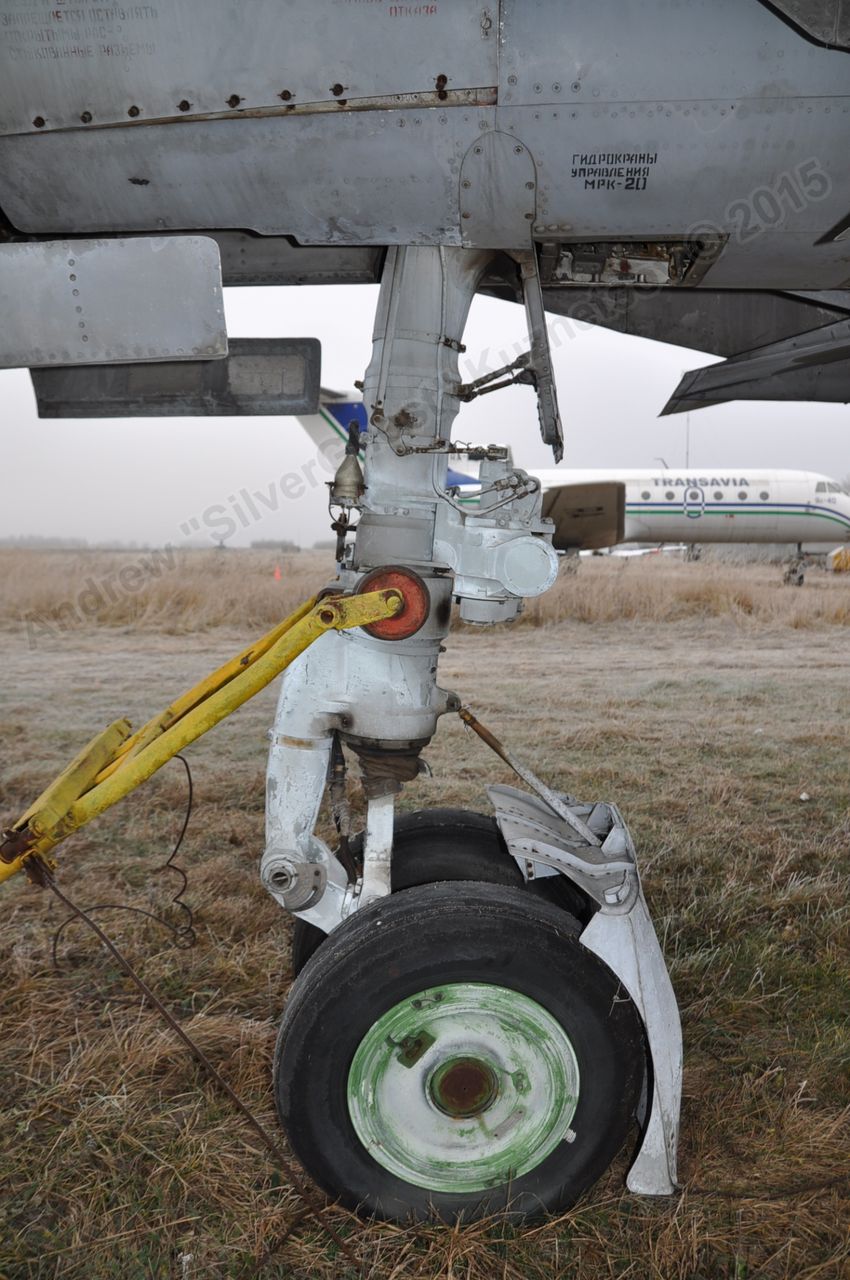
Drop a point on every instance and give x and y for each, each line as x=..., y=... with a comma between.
x=115, y=763
x=211, y=684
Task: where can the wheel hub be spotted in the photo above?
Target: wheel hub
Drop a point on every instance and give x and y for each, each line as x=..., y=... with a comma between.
x=463, y=1087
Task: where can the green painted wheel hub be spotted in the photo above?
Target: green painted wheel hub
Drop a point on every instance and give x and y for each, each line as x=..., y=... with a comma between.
x=463, y=1087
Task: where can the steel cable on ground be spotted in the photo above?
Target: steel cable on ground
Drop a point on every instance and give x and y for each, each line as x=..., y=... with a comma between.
x=310, y=1202
x=184, y=935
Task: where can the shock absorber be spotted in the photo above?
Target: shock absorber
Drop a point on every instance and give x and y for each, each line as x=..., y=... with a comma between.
x=377, y=688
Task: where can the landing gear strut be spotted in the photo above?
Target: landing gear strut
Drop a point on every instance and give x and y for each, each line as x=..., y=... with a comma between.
x=795, y=570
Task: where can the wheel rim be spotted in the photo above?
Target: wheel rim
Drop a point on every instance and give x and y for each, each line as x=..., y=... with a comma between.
x=463, y=1087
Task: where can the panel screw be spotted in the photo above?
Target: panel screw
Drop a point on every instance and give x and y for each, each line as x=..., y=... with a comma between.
x=576, y=86
x=234, y=100
x=466, y=183
x=39, y=122
x=285, y=95
x=132, y=112
x=86, y=117
x=511, y=79
x=337, y=89
x=518, y=151
x=184, y=105
x=529, y=217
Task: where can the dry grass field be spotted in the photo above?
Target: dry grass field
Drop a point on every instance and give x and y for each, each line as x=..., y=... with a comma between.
x=49, y=594
x=705, y=700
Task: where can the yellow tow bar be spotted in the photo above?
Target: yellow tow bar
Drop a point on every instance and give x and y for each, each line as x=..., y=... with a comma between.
x=118, y=760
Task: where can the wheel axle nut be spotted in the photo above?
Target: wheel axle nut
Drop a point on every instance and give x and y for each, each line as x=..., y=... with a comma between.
x=463, y=1087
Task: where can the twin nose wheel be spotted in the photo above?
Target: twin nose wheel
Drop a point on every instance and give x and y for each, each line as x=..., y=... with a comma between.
x=453, y=1051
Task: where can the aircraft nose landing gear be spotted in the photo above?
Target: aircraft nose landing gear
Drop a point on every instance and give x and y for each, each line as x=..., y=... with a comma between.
x=452, y=1049
x=795, y=569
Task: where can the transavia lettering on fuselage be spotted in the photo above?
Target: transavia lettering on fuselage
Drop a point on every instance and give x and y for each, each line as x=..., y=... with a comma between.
x=702, y=482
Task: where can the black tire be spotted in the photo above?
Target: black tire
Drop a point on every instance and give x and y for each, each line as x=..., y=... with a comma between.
x=432, y=845
x=422, y=939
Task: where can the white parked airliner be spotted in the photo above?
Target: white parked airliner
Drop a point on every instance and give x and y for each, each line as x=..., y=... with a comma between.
x=718, y=504
x=731, y=504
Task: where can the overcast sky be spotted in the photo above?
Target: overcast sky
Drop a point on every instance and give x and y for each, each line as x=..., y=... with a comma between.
x=141, y=480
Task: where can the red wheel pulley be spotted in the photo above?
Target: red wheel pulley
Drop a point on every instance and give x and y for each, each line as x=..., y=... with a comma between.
x=413, y=613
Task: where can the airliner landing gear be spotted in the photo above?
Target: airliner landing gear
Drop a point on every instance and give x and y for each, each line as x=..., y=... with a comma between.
x=569, y=564
x=452, y=1048
x=795, y=570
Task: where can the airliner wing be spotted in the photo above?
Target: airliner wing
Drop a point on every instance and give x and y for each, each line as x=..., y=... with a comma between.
x=808, y=366
x=588, y=517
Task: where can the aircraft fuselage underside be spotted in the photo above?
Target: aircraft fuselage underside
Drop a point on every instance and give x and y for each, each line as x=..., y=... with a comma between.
x=455, y=124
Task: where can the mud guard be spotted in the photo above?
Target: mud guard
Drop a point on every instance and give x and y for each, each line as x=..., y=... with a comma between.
x=621, y=934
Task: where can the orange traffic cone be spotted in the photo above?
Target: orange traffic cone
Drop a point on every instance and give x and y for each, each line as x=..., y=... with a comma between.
x=277, y=573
